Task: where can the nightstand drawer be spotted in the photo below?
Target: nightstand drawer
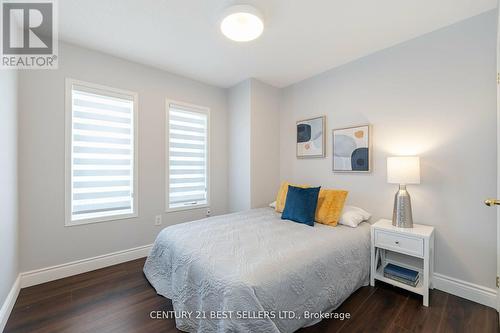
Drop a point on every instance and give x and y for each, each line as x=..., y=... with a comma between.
x=400, y=243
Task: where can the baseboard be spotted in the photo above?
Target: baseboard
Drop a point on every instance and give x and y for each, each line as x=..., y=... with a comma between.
x=467, y=290
x=9, y=302
x=48, y=274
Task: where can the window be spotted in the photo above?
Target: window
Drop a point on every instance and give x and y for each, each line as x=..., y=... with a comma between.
x=188, y=147
x=101, y=165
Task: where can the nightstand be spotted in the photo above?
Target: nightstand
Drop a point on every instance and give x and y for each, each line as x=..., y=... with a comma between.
x=411, y=248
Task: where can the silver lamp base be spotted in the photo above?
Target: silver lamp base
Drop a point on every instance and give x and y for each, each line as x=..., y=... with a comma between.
x=401, y=215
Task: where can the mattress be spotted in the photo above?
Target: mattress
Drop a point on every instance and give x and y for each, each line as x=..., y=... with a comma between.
x=253, y=272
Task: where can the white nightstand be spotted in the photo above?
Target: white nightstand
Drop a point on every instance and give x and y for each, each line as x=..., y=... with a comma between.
x=408, y=247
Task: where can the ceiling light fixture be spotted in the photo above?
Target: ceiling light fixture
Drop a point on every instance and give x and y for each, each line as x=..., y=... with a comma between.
x=242, y=23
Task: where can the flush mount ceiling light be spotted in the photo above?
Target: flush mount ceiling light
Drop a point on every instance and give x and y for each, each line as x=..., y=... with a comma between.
x=242, y=23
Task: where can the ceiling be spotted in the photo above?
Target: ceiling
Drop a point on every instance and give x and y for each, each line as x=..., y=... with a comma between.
x=301, y=38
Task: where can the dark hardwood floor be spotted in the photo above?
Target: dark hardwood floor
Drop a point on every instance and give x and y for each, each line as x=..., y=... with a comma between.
x=119, y=299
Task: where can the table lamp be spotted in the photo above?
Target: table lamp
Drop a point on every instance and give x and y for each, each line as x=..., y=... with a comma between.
x=403, y=170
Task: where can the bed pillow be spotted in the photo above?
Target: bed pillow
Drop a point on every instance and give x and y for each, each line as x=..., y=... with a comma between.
x=330, y=205
x=352, y=216
x=301, y=204
x=281, y=197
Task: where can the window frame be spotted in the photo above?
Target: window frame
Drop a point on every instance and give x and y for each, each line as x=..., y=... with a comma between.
x=107, y=91
x=195, y=108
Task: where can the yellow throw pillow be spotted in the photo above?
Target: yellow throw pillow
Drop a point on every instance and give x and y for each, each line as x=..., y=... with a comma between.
x=330, y=205
x=281, y=197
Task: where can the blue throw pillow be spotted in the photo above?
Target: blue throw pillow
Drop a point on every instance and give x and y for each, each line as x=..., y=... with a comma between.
x=300, y=204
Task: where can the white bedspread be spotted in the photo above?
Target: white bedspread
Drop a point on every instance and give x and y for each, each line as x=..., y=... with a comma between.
x=253, y=264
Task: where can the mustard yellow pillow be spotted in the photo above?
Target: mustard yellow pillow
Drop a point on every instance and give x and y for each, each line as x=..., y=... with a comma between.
x=281, y=197
x=330, y=205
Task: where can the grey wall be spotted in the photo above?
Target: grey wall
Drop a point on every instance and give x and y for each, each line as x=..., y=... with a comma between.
x=434, y=96
x=44, y=238
x=238, y=103
x=9, y=267
x=265, y=143
x=254, y=147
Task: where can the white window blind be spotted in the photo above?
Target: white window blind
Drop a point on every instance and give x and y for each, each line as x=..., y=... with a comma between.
x=102, y=168
x=187, y=156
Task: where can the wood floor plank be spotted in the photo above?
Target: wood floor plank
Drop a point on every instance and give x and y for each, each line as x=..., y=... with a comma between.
x=350, y=306
x=380, y=311
x=454, y=317
x=32, y=317
x=417, y=318
x=466, y=316
x=120, y=299
x=32, y=294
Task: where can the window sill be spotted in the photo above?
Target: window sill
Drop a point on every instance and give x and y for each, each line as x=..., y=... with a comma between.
x=178, y=209
x=101, y=219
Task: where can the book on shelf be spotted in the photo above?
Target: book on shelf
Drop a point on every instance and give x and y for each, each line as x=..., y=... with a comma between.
x=402, y=280
x=401, y=272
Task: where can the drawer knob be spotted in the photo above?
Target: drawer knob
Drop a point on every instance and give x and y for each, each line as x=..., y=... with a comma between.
x=397, y=242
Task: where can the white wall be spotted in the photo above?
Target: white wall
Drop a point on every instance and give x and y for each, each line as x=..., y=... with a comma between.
x=239, y=130
x=265, y=143
x=254, y=147
x=434, y=96
x=44, y=238
x=9, y=268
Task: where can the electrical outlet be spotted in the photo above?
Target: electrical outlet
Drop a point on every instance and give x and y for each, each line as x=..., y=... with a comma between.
x=208, y=212
x=158, y=220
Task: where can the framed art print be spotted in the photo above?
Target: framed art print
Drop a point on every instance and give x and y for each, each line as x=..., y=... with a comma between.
x=352, y=149
x=311, y=137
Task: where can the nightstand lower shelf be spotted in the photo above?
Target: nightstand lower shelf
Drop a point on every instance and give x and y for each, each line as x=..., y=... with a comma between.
x=379, y=275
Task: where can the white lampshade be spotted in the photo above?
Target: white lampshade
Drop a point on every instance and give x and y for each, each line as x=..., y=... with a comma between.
x=403, y=170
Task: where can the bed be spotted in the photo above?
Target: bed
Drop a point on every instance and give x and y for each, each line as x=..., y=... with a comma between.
x=253, y=272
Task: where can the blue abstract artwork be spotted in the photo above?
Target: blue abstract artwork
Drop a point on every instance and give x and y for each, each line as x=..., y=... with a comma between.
x=311, y=138
x=351, y=149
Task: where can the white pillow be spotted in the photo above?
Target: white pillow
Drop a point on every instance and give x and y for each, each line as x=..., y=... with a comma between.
x=352, y=216
x=273, y=204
